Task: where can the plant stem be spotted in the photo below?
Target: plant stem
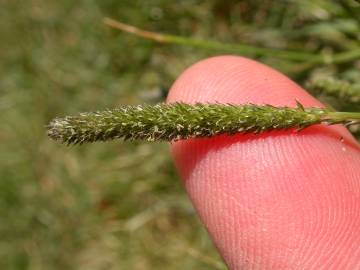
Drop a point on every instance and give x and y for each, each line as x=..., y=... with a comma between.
x=236, y=48
x=344, y=117
x=340, y=89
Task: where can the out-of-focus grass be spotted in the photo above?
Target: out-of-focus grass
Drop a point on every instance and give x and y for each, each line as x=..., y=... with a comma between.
x=120, y=205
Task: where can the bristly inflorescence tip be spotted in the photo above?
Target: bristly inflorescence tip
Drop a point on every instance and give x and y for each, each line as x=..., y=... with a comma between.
x=177, y=121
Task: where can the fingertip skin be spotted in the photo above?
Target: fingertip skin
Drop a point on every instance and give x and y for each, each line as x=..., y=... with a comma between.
x=279, y=200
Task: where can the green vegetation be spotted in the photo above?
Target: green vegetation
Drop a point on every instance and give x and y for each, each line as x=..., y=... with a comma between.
x=179, y=121
x=116, y=205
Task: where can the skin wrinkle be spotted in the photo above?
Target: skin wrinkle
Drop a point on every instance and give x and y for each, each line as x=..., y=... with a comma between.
x=342, y=254
x=332, y=216
x=340, y=232
x=230, y=224
x=339, y=238
x=270, y=201
x=273, y=147
x=227, y=195
x=323, y=232
x=310, y=196
x=276, y=147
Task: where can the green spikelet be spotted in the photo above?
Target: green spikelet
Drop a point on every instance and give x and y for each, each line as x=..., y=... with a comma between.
x=336, y=88
x=177, y=121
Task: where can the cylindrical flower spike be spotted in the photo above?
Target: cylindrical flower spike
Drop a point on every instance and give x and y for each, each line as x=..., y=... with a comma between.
x=167, y=122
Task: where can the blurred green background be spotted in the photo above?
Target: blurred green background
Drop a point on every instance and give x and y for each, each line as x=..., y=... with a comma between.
x=120, y=205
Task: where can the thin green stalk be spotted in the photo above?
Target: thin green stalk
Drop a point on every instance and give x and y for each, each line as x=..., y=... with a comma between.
x=344, y=57
x=237, y=48
x=344, y=117
x=167, y=122
x=336, y=88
